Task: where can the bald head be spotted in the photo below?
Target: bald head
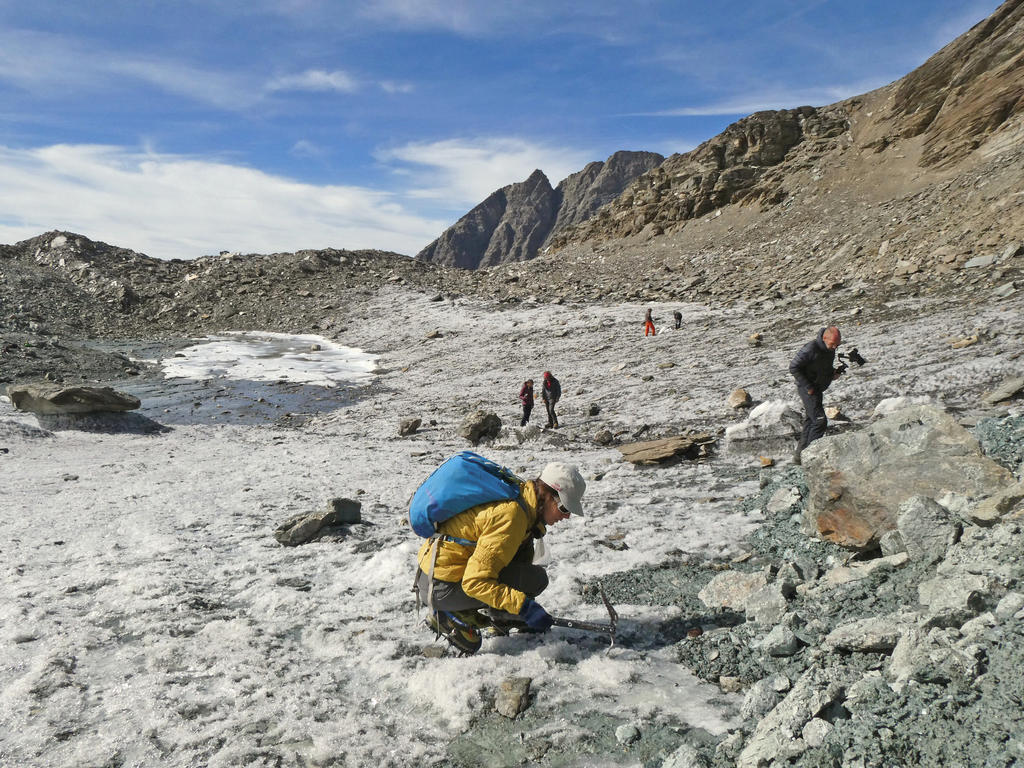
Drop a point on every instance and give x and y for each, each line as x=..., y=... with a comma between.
x=831, y=337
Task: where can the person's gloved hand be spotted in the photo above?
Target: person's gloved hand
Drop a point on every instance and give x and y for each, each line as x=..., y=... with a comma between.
x=535, y=616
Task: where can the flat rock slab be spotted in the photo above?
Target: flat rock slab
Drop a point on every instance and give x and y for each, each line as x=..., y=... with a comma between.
x=657, y=451
x=1007, y=390
x=49, y=399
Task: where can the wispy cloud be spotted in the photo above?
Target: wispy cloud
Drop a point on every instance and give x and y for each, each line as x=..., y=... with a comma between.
x=465, y=171
x=59, y=65
x=316, y=80
x=748, y=103
x=337, y=81
x=173, y=206
x=305, y=148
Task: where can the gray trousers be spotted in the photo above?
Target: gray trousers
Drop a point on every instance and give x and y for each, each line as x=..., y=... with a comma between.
x=520, y=574
x=815, y=421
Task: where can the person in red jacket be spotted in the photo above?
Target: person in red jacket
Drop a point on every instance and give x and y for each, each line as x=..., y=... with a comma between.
x=648, y=323
x=526, y=398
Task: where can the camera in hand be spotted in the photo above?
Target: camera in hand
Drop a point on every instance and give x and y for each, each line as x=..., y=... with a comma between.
x=853, y=356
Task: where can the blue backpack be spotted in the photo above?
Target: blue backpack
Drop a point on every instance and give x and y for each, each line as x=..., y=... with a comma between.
x=461, y=482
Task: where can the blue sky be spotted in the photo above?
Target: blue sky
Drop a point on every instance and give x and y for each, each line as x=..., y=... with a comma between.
x=180, y=128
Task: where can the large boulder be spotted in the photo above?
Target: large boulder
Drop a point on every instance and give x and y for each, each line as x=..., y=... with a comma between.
x=479, y=425
x=50, y=399
x=858, y=480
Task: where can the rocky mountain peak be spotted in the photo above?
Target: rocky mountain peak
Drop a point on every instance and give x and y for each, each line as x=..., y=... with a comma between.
x=516, y=221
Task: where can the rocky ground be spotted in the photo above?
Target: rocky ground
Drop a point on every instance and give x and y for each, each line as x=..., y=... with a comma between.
x=831, y=705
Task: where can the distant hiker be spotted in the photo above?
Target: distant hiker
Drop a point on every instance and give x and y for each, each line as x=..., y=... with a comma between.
x=678, y=318
x=550, y=393
x=812, y=368
x=648, y=323
x=526, y=398
x=482, y=558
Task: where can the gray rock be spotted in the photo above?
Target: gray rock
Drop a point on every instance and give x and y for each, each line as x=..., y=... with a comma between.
x=604, y=437
x=857, y=480
x=1005, y=291
x=685, y=756
x=480, y=425
x=784, y=501
x=761, y=698
x=952, y=600
x=594, y=409
x=731, y=589
x=409, y=426
x=980, y=261
x=627, y=734
x=1009, y=606
x=769, y=420
x=994, y=508
x=892, y=404
x=303, y=528
x=891, y=543
x=931, y=656
x=873, y=634
x=781, y=641
x=513, y=696
x=844, y=574
x=777, y=736
x=48, y=399
x=344, y=511
x=1007, y=390
x=769, y=604
x=926, y=527
x=816, y=731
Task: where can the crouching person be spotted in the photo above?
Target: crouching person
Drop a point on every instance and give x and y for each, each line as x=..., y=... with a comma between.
x=482, y=558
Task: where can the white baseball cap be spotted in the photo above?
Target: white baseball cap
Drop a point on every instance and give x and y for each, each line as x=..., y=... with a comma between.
x=568, y=483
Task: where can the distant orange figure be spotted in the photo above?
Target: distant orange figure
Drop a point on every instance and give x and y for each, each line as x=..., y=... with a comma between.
x=648, y=323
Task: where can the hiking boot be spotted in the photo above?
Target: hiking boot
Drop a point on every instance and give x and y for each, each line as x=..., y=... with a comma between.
x=460, y=628
x=501, y=623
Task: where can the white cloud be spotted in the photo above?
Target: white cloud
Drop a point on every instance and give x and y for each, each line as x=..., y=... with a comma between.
x=462, y=172
x=390, y=86
x=316, y=80
x=172, y=206
x=58, y=65
x=746, y=104
x=305, y=148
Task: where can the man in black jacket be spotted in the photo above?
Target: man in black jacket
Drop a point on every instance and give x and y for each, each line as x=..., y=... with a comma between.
x=813, y=370
x=551, y=392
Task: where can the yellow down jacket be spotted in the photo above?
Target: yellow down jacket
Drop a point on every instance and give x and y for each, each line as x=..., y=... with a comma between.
x=499, y=528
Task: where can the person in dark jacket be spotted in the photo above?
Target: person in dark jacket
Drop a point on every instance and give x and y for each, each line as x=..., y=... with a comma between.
x=813, y=370
x=550, y=392
x=526, y=398
x=678, y=316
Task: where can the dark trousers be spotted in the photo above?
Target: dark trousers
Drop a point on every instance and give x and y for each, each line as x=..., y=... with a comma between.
x=552, y=418
x=520, y=574
x=815, y=421
x=527, y=410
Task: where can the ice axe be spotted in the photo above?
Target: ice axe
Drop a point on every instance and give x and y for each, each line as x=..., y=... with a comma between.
x=590, y=626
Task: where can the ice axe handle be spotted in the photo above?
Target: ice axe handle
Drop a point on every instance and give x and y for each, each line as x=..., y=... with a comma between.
x=587, y=626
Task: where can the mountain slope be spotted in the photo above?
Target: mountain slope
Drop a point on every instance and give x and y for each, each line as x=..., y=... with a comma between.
x=939, y=114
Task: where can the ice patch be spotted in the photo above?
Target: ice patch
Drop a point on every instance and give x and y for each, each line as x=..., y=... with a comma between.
x=264, y=356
